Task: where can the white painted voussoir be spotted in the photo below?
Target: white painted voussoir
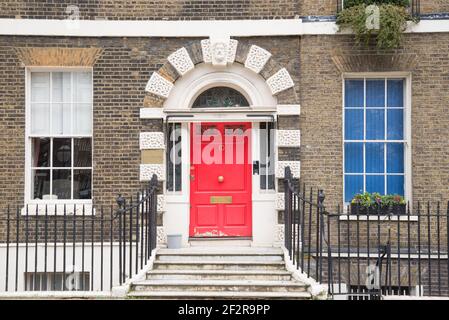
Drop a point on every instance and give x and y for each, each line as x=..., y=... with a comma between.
x=151, y=140
x=295, y=167
x=280, y=201
x=257, y=58
x=158, y=85
x=147, y=171
x=288, y=138
x=181, y=61
x=280, y=81
x=152, y=113
x=160, y=203
x=288, y=109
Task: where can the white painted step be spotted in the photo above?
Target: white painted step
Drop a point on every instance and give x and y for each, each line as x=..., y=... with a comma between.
x=219, y=257
x=222, y=250
x=185, y=295
x=219, y=275
x=218, y=265
x=219, y=285
x=219, y=242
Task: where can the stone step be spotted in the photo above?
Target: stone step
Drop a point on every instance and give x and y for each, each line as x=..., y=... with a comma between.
x=222, y=295
x=219, y=285
x=218, y=275
x=219, y=242
x=219, y=257
x=218, y=265
x=222, y=250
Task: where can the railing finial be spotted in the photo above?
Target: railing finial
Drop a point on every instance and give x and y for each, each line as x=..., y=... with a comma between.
x=321, y=197
x=120, y=201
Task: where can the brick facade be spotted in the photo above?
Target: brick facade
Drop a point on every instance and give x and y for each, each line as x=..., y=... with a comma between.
x=321, y=113
x=120, y=74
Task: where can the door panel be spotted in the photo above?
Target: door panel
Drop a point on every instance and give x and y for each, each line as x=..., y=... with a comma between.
x=220, y=180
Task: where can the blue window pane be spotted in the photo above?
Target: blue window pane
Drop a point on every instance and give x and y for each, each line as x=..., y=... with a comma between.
x=395, y=124
x=354, y=124
x=395, y=185
x=395, y=158
x=375, y=93
x=375, y=157
x=353, y=185
x=395, y=93
x=375, y=184
x=375, y=124
x=354, y=157
x=354, y=93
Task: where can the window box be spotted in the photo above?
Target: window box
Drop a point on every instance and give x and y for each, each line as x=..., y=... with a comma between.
x=397, y=209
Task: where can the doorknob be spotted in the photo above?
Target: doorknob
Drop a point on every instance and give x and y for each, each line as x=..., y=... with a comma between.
x=220, y=179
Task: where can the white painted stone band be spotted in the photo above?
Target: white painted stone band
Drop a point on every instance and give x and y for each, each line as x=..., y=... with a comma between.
x=234, y=28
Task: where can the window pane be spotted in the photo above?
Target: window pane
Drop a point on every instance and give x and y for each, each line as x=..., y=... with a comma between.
x=178, y=163
x=40, y=118
x=82, y=184
x=41, y=152
x=40, y=87
x=354, y=124
x=375, y=93
x=61, y=184
x=375, y=184
x=61, y=118
x=354, y=94
x=266, y=163
x=354, y=157
x=82, y=156
x=41, y=183
x=395, y=158
x=375, y=157
x=61, y=86
x=395, y=94
x=375, y=124
x=395, y=124
x=395, y=185
x=353, y=185
x=82, y=118
x=62, y=152
x=82, y=87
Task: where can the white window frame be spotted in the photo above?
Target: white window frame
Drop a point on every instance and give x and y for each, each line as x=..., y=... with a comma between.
x=408, y=192
x=28, y=140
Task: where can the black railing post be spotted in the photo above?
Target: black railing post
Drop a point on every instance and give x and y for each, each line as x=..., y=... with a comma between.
x=153, y=213
x=321, y=198
x=120, y=202
x=287, y=209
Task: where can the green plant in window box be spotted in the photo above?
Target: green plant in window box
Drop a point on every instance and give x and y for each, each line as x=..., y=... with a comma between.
x=374, y=203
x=393, y=17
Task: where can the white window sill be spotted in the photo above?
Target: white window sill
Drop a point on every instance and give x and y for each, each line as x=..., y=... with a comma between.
x=52, y=209
x=350, y=217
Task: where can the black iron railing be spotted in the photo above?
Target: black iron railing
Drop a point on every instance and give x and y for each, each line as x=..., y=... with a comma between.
x=401, y=251
x=415, y=7
x=77, y=247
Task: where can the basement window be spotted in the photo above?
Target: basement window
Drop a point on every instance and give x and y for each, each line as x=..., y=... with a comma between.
x=58, y=281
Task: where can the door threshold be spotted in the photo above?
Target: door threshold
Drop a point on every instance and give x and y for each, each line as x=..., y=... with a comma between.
x=218, y=238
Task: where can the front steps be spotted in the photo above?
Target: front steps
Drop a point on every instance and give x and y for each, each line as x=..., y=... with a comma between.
x=219, y=273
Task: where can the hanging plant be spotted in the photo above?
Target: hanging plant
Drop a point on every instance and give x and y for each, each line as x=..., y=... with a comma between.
x=393, y=17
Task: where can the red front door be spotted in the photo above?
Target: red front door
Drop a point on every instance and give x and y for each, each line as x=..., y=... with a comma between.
x=220, y=180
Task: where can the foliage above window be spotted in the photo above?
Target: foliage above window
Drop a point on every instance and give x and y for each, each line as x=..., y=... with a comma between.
x=392, y=19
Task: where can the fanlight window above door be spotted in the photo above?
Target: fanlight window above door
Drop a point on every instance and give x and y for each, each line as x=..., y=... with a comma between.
x=220, y=97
